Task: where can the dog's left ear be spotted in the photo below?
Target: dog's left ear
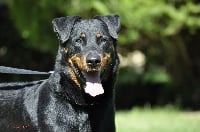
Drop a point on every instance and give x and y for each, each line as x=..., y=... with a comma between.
x=63, y=26
x=113, y=23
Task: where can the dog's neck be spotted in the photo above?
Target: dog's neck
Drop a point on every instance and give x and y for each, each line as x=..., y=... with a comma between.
x=64, y=88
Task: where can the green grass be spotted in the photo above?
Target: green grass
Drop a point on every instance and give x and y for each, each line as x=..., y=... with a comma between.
x=157, y=120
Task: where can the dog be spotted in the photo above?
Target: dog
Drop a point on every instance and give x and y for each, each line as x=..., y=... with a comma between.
x=79, y=95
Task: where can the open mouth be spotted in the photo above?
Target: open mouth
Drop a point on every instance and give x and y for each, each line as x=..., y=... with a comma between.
x=93, y=84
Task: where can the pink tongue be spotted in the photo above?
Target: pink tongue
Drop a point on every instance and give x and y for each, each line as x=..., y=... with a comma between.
x=93, y=85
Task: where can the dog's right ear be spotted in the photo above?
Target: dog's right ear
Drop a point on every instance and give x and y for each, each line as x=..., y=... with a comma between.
x=63, y=26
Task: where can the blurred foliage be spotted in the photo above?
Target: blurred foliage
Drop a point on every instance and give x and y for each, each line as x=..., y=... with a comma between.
x=155, y=18
x=165, y=31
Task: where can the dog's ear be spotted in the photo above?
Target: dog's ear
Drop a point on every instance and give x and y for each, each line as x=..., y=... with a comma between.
x=63, y=26
x=113, y=23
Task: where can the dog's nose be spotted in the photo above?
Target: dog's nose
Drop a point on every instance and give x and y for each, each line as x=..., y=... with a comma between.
x=93, y=59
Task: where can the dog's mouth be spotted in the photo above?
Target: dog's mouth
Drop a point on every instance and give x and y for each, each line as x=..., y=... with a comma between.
x=90, y=73
x=93, y=84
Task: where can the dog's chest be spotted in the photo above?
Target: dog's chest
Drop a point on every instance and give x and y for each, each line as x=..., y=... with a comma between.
x=64, y=117
x=72, y=118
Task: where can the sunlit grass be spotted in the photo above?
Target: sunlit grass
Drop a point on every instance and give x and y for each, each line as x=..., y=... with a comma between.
x=157, y=120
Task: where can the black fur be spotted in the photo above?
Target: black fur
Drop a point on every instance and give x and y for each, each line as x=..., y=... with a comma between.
x=60, y=104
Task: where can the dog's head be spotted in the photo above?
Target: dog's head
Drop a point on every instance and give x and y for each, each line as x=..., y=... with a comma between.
x=87, y=52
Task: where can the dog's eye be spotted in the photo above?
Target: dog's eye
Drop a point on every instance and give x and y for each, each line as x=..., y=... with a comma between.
x=79, y=41
x=104, y=40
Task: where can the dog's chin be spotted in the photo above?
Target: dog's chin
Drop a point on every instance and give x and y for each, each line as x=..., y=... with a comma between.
x=93, y=85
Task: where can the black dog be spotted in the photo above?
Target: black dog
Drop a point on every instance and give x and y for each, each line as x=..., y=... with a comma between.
x=78, y=96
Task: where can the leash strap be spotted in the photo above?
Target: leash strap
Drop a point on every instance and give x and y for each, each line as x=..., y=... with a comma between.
x=18, y=85
x=11, y=70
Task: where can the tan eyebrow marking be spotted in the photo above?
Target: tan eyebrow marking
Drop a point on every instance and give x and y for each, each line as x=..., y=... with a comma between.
x=83, y=35
x=98, y=35
x=65, y=51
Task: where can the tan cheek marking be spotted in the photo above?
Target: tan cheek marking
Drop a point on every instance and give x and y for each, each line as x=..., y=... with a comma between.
x=81, y=62
x=74, y=78
x=72, y=73
x=106, y=59
x=84, y=64
x=76, y=59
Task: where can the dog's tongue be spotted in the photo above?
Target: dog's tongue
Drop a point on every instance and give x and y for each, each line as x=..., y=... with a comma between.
x=93, y=84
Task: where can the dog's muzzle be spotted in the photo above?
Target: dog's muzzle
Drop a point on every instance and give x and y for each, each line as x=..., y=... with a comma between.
x=93, y=81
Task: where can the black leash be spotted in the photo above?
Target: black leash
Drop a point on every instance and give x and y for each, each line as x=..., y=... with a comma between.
x=19, y=85
x=11, y=70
